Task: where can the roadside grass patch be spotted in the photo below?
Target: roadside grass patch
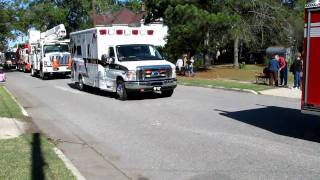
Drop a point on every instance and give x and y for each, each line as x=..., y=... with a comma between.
x=8, y=107
x=228, y=72
x=222, y=83
x=31, y=156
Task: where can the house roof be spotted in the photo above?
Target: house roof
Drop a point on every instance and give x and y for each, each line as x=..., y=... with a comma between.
x=124, y=16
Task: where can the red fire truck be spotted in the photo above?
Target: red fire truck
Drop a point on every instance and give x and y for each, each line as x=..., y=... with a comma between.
x=23, y=63
x=310, y=102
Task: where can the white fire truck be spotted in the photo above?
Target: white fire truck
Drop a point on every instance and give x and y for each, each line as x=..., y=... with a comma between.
x=121, y=59
x=311, y=79
x=50, y=55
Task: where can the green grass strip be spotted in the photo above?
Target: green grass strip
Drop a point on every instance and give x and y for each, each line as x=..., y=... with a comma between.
x=222, y=83
x=8, y=107
x=31, y=157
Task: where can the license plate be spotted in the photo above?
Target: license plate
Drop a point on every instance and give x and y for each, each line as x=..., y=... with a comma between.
x=157, y=88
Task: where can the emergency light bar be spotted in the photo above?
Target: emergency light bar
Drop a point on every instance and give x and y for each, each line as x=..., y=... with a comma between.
x=149, y=32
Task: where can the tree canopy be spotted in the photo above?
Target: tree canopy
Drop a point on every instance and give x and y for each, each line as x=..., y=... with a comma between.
x=195, y=26
x=203, y=25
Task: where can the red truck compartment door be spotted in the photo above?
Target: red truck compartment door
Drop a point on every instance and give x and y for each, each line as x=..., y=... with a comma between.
x=312, y=79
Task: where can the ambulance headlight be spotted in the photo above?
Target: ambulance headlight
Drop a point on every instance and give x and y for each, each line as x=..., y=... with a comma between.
x=174, y=75
x=131, y=75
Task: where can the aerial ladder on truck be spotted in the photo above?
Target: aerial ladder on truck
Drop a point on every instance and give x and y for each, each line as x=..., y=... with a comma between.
x=51, y=54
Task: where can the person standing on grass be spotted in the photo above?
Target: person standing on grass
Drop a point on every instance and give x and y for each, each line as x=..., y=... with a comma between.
x=297, y=71
x=179, y=65
x=274, y=70
x=283, y=71
x=190, y=67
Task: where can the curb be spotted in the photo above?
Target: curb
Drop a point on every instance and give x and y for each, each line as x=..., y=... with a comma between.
x=24, y=112
x=223, y=88
x=69, y=164
x=59, y=153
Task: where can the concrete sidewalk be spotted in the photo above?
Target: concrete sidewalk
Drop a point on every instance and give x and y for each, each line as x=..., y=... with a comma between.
x=283, y=92
x=11, y=128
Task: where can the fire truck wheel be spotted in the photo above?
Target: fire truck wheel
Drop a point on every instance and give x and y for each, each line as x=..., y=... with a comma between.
x=32, y=72
x=167, y=93
x=121, y=91
x=81, y=85
x=43, y=76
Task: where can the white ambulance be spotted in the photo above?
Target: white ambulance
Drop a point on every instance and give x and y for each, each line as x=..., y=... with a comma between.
x=121, y=59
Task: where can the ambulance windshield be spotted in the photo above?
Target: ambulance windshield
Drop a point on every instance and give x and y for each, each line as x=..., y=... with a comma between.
x=56, y=48
x=138, y=53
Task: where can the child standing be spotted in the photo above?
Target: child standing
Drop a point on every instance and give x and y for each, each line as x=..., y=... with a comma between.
x=297, y=71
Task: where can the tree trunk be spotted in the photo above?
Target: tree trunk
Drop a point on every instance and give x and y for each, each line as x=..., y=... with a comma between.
x=207, y=61
x=236, y=53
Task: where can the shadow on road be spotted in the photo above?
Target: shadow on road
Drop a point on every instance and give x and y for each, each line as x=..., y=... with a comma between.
x=279, y=120
x=133, y=96
x=38, y=162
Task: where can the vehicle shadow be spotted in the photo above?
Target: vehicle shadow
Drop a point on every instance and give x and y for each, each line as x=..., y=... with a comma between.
x=56, y=77
x=279, y=120
x=38, y=162
x=133, y=96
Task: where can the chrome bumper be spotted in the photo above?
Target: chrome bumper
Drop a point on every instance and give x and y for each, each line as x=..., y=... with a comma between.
x=167, y=84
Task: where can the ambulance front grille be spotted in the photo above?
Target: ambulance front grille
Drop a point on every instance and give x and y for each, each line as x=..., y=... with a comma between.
x=154, y=72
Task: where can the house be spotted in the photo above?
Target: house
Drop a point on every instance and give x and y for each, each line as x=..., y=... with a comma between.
x=123, y=17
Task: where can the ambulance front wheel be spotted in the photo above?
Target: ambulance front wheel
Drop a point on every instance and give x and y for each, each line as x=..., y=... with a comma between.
x=121, y=91
x=167, y=93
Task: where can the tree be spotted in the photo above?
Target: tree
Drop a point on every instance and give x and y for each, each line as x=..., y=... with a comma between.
x=7, y=21
x=261, y=23
x=194, y=26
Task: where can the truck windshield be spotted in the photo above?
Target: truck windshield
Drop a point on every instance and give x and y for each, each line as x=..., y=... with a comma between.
x=137, y=53
x=56, y=48
x=10, y=55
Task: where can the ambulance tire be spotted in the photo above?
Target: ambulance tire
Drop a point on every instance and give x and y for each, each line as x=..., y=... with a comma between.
x=121, y=91
x=167, y=93
x=81, y=85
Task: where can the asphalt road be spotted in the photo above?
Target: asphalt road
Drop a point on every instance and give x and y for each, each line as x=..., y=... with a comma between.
x=198, y=134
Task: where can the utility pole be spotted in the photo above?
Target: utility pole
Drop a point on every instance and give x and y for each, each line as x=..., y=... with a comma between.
x=94, y=13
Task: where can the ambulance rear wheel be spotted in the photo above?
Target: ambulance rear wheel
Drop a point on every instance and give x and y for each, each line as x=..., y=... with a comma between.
x=121, y=91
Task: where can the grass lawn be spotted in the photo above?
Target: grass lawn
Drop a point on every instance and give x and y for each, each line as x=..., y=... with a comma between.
x=228, y=77
x=31, y=157
x=221, y=83
x=8, y=107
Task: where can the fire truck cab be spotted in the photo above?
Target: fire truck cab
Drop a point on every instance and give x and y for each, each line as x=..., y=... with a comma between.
x=311, y=76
